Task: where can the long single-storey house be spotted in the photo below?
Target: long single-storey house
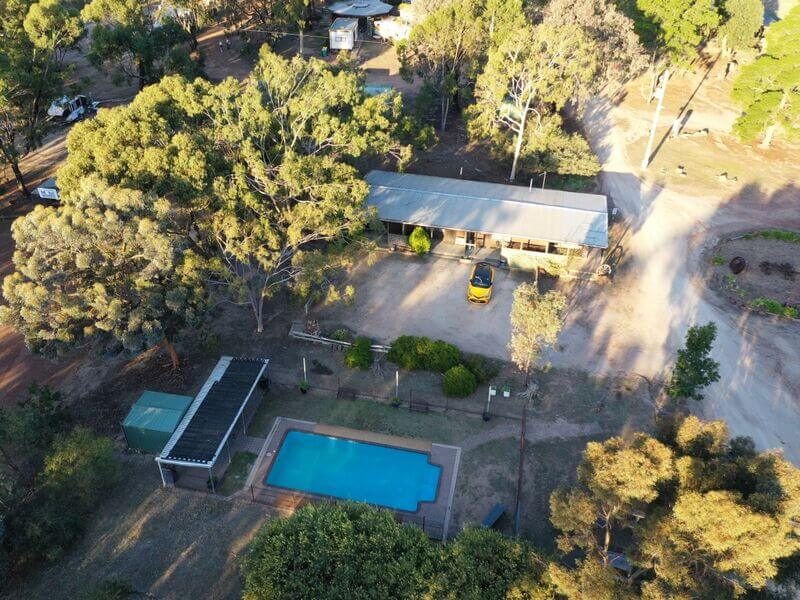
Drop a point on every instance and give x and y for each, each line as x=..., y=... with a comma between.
x=527, y=225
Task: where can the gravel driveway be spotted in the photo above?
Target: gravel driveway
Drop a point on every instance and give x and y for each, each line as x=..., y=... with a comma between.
x=408, y=295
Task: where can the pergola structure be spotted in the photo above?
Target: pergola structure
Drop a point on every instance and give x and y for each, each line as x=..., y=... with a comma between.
x=222, y=409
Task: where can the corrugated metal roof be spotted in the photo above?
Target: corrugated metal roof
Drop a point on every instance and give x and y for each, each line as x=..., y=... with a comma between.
x=360, y=8
x=344, y=23
x=153, y=418
x=157, y=411
x=164, y=400
x=493, y=208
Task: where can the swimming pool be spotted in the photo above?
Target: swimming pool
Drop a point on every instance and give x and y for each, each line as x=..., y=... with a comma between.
x=352, y=470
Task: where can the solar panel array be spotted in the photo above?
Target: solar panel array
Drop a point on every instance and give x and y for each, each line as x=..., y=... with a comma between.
x=207, y=427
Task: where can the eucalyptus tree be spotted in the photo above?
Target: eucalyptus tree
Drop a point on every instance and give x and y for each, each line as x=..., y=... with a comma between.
x=262, y=178
x=695, y=512
x=620, y=53
x=444, y=51
x=104, y=267
x=680, y=27
x=768, y=89
x=531, y=74
x=136, y=43
x=35, y=38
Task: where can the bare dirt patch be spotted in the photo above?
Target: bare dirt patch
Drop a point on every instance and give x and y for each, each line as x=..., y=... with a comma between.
x=772, y=271
x=717, y=164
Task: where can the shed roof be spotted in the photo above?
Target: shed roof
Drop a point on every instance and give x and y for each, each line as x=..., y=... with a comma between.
x=344, y=24
x=550, y=215
x=360, y=8
x=209, y=421
x=157, y=411
x=49, y=183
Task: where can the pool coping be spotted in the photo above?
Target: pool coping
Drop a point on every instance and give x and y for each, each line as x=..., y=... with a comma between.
x=444, y=456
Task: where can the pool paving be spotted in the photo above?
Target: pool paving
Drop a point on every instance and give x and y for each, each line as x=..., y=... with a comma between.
x=433, y=517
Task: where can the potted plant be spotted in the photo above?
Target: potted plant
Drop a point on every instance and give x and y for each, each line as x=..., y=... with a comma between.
x=506, y=391
x=304, y=385
x=396, y=402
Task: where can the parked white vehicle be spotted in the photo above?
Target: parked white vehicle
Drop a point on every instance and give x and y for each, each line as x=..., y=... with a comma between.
x=71, y=110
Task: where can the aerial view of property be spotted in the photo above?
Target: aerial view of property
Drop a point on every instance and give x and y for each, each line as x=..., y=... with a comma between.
x=400, y=299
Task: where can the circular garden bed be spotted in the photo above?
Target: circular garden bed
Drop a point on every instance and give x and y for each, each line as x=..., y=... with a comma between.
x=759, y=270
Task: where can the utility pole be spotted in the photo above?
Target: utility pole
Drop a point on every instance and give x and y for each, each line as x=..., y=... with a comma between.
x=659, y=94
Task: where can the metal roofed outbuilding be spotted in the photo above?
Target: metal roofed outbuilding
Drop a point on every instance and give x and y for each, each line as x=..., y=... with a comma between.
x=360, y=8
x=151, y=422
x=226, y=402
x=503, y=211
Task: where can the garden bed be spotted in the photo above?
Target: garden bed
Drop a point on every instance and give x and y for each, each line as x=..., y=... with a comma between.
x=770, y=282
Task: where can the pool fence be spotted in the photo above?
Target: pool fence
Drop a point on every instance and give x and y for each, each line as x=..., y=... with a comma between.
x=415, y=396
x=287, y=502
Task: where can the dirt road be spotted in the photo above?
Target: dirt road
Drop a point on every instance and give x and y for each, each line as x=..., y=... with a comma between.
x=639, y=322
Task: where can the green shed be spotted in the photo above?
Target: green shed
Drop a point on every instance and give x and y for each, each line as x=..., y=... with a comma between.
x=152, y=420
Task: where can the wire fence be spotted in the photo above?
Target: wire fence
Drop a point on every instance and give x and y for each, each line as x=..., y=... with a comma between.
x=415, y=394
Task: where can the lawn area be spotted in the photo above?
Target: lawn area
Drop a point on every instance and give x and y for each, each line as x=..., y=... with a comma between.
x=487, y=475
x=237, y=472
x=548, y=465
x=614, y=403
x=365, y=414
x=166, y=543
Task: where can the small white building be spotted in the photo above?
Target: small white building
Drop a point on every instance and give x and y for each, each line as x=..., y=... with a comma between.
x=47, y=190
x=343, y=34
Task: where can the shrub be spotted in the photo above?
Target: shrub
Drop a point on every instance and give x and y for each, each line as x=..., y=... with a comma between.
x=459, y=382
x=338, y=552
x=440, y=356
x=775, y=307
x=718, y=260
x=404, y=352
x=359, y=356
x=420, y=241
x=483, y=563
x=483, y=368
x=341, y=335
x=417, y=353
x=77, y=472
x=780, y=235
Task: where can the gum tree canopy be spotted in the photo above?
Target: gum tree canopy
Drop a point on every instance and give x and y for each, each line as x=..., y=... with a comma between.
x=34, y=37
x=258, y=176
x=768, y=89
x=104, y=263
x=697, y=514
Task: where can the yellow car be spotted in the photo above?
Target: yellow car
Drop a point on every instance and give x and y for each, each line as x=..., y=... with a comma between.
x=481, y=280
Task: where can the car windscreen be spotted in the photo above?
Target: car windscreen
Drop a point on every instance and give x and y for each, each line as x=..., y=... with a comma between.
x=482, y=277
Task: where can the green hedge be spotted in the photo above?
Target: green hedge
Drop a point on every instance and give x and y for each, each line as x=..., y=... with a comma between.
x=415, y=353
x=459, y=382
x=359, y=356
x=420, y=241
x=483, y=368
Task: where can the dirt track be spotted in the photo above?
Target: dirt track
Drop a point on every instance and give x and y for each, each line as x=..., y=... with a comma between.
x=639, y=323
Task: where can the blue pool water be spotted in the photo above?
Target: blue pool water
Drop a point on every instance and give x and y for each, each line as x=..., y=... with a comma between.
x=352, y=470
